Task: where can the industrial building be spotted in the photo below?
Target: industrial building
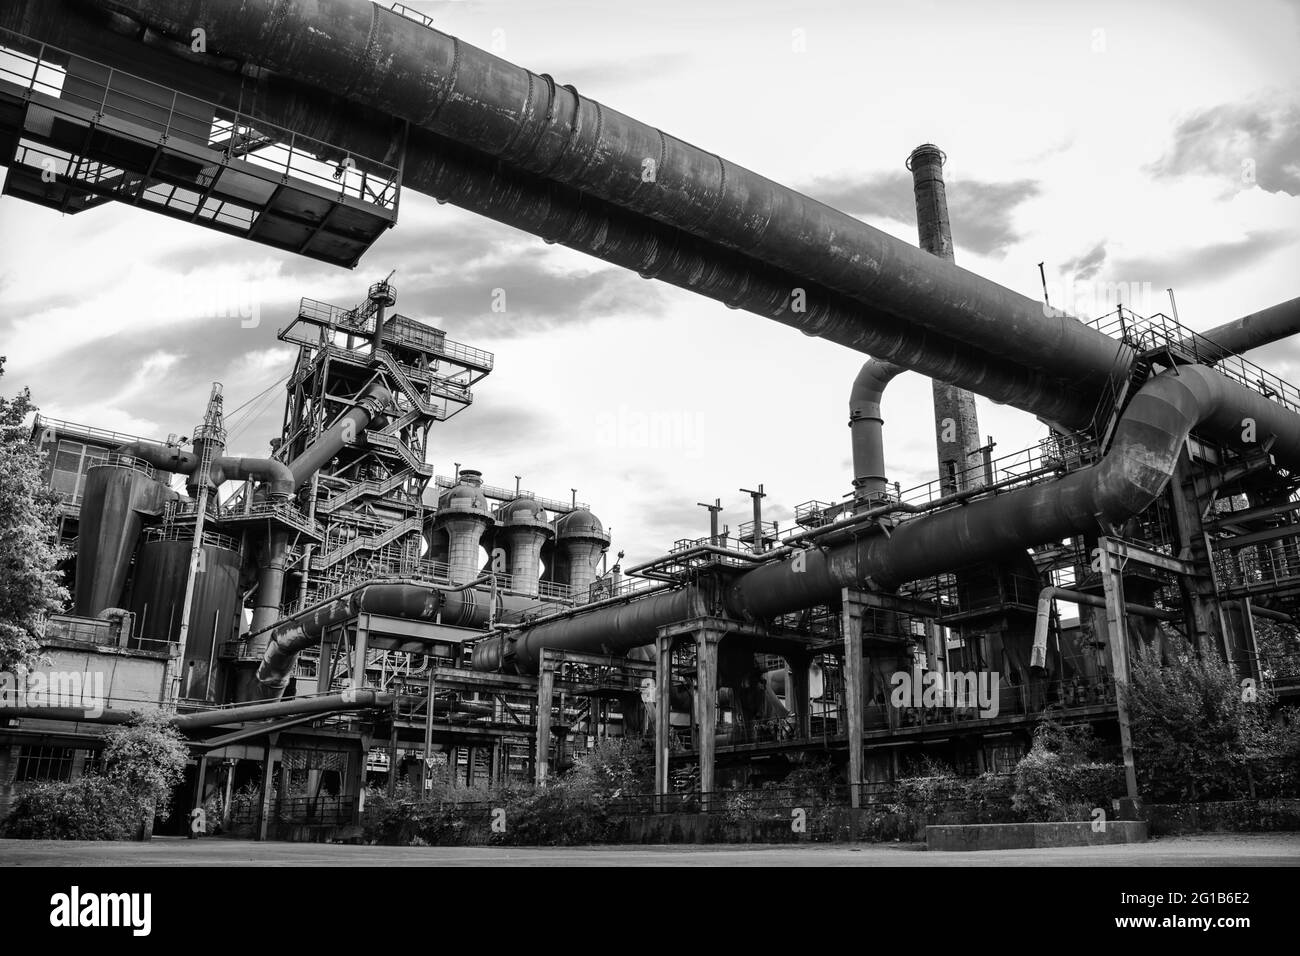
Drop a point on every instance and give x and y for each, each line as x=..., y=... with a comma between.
x=336, y=614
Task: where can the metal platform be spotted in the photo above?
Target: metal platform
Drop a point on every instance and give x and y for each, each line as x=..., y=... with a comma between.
x=76, y=134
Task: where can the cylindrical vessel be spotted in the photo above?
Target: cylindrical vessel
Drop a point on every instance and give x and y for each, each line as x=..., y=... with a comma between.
x=580, y=540
x=463, y=514
x=158, y=595
x=523, y=528
x=117, y=498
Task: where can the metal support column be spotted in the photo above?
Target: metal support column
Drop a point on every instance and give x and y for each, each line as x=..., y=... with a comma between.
x=706, y=707
x=1112, y=579
x=545, y=690
x=392, y=752
x=851, y=622
x=264, y=804
x=198, y=790
x=796, y=693
x=663, y=710
x=359, y=653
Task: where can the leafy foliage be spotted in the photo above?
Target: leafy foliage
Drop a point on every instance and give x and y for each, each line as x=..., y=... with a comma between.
x=147, y=758
x=618, y=766
x=92, y=807
x=1195, y=733
x=30, y=582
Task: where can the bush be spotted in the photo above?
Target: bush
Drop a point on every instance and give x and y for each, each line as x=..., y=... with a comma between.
x=1050, y=786
x=558, y=815
x=617, y=767
x=147, y=758
x=89, y=808
x=1194, y=736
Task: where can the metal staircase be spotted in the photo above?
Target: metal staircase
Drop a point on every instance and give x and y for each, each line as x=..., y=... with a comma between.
x=367, y=543
x=367, y=488
x=402, y=450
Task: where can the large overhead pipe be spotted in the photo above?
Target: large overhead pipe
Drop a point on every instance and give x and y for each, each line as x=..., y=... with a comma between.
x=564, y=192
x=455, y=173
x=1142, y=457
x=349, y=46
x=1258, y=329
x=359, y=699
x=612, y=629
x=1138, y=466
x=466, y=605
x=371, y=55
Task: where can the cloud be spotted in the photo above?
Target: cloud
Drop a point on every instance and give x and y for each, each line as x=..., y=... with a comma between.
x=1245, y=143
x=982, y=213
x=607, y=74
x=1086, y=266
x=1208, y=263
x=488, y=281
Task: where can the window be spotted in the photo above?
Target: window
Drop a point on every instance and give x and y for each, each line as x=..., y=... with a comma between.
x=71, y=461
x=39, y=764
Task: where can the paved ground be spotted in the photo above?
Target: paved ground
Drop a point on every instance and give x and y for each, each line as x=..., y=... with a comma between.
x=1253, y=849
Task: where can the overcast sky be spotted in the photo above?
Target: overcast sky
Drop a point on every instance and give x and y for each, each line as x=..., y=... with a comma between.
x=1151, y=144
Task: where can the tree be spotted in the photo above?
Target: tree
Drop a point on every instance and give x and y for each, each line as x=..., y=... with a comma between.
x=147, y=758
x=30, y=583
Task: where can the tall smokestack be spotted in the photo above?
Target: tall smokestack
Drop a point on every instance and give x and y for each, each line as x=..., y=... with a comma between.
x=956, y=425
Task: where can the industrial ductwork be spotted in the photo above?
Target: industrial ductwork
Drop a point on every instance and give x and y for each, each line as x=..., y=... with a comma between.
x=274, y=561
x=866, y=424
x=467, y=605
x=1142, y=457
x=611, y=629
x=343, y=432
x=275, y=474
x=1256, y=330
x=516, y=147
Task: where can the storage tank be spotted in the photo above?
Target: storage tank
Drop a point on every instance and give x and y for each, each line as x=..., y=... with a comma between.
x=580, y=540
x=522, y=526
x=158, y=596
x=119, y=495
x=463, y=514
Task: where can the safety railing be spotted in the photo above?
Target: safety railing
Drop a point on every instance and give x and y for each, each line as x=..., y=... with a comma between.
x=508, y=494
x=1257, y=567
x=410, y=13
x=1053, y=456
x=181, y=532
x=1160, y=333
x=316, y=811
x=114, y=460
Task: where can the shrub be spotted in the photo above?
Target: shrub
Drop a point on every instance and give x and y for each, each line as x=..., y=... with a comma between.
x=92, y=807
x=1050, y=786
x=1194, y=736
x=617, y=767
x=147, y=758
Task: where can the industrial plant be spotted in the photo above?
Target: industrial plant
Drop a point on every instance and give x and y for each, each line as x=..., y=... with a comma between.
x=338, y=615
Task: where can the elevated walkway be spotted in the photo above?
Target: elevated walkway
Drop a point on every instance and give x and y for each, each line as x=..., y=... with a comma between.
x=76, y=134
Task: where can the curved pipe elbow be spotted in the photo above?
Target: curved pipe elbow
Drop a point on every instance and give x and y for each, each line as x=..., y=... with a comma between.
x=867, y=425
x=869, y=387
x=275, y=474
